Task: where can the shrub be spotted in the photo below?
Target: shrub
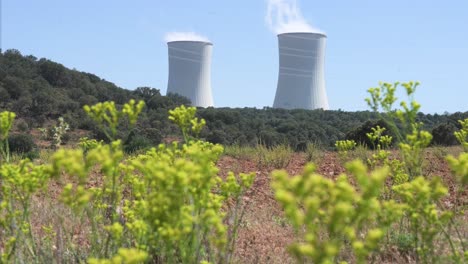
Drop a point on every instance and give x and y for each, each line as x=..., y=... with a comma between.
x=314, y=152
x=22, y=126
x=359, y=134
x=136, y=143
x=443, y=134
x=87, y=144
x=168, y=205
x=277, y=157
x=21, y=143
x=217, y=137
x=241, y=152
x=335, y=216
x=59, y=131
x=360, y=152
x=462, y=134
x=153, y=135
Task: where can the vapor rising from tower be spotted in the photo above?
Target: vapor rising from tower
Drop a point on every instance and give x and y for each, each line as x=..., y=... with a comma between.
x=190, y=67
x=301, y=80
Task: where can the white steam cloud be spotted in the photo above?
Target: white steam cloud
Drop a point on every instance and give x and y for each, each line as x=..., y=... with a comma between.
x=284, y=16
x=185, y=36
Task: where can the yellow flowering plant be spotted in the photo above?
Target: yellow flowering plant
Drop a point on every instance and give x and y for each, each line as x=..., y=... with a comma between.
x=336, y=216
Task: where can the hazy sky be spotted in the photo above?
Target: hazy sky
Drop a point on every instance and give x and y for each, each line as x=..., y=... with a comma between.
x=368, y=41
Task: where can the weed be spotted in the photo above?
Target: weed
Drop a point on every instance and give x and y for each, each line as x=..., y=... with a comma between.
x=338, y=216
x=344, y=147
x=275, y=157
x=360, y=152
x=281, y=221
x=314, y=152
x=404, y=242
x=240, y=152
x=164, y=205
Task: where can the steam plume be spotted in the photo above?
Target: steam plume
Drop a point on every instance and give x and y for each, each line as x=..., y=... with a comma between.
x=185, y=36
x=284, y=16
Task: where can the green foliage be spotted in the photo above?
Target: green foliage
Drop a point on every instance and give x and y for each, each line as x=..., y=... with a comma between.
x=177, y=209
x=412, y=152
x=135, y=143
x=426, y=221
x=343, y=146
x=413, y=139
x=275, y=157
x=184, y=117
x=382, y=97
x=123, y=256
x=21, y=143
x=459, y=167
x=241, y=152
x=443, y=135
x=462, y=134
x=6, y=122
x=59, y=131
x=404, y=242
x=336, y=215
x=394, y=201
x=18, y=183
x=170, y=204
x=377, y=129
x=42, y=90
x=314, y=152
x=167, y=204
x=108, y=117
x=87, y=144
x=378, y=139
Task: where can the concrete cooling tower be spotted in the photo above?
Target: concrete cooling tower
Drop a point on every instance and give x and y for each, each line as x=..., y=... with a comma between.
x=190, y=71
x=301, y=80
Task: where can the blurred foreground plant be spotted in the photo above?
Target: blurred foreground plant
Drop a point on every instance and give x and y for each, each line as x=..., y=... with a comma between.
x=333, y=217
x=336, y=215
x=167, y=205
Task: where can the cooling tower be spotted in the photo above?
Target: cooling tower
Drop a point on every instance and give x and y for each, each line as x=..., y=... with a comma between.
x=190, y=71
x=301, y=80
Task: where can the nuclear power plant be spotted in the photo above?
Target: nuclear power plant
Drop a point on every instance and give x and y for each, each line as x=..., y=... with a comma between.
x=190, y=71
x=301, y=80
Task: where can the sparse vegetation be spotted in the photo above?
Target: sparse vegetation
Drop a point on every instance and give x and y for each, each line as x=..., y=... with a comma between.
x=240, y=152
x=314, y=152
x=275, y=157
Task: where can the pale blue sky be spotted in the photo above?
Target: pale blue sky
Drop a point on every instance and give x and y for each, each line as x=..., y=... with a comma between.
x=368, y=41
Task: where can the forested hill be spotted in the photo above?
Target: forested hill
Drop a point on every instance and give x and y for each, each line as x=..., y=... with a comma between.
x=46, y=89
x=40, y=90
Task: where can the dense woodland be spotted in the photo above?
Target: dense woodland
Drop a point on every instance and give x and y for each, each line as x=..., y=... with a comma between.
x=40, y=91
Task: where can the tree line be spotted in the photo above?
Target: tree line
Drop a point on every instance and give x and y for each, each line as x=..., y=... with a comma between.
x=41, y=91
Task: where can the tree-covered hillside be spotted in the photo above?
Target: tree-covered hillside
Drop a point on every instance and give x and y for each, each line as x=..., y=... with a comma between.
x=40, y=90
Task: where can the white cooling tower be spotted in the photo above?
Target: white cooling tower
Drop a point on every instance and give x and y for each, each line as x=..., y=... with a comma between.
x=190, y=71
x=301, y=80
